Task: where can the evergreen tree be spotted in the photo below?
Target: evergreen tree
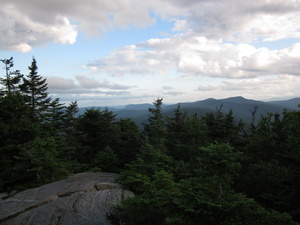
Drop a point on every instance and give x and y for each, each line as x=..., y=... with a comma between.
x=35, y=89
x=32, y=145
x=90, y=126
x=185, y=134
x=45, y=159
x=129, y=141
x=15, y=130
x=98, y=130
x=106, y=160
x=54, y=118
x=109, y=131
x=175, y=131
x=155, y=129
x=149, y=161
x=70, y=118
x=207, y=197
x=222, y=127
x=12, y=78
x=270, y=165
x=75, y=137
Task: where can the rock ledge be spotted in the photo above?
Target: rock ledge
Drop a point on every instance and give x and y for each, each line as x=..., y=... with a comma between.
x=84, y=198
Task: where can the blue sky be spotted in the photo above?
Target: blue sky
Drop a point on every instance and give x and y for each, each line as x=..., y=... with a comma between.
x=105, y=53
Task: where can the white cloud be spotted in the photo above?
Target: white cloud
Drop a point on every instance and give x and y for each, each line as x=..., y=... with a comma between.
x=57, y=83
x=172, y=93
x=239, y=20
x=206, y=88
x=196, y=55
x=19, y=32
x=88, y=82
x=166, y=87
x=25, y=24
x=20, y=47
x=180, y=25
x=133, y=60
x=217, y=40
x=281, y=87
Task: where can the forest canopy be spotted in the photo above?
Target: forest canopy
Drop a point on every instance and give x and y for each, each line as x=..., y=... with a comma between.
x=184, y=169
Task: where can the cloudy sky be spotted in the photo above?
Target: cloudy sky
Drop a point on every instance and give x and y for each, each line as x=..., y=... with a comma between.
x=104, y=53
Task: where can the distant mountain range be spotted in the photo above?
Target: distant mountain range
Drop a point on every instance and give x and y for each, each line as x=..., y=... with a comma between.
x=240, y=106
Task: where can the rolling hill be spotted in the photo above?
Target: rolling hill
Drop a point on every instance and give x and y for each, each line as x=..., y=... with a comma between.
x=240, y=106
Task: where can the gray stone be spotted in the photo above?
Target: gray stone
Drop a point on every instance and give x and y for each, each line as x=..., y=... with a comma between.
x=85, y=198
x=3, y=195
x=12, y=193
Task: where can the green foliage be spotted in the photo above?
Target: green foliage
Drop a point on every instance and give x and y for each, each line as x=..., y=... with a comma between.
x=149, y=161
x=34, y=88
x=128, y=143
x=185, y=134
x=98, y=131
x=69, y=120
x=156, y=201
x=242, y=210
x=31, y=145
x=12, y=78
x=44, y=159
x=15, y=130
x=54, y=118
x=270, y=162
x=222, y=127
x=206, y=197
x=73, y=138
x=183, y=169
x=106, y=160
x=155, y=128
x=219, y=160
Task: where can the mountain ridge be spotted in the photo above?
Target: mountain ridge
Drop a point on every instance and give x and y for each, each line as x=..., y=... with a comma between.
x=241, y=107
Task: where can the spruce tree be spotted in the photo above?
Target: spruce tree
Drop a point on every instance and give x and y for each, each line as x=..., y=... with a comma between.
x=99, y=131
x=155, y=129
x=55, y=117
x=69, y=124
x=129, y=141
x=35, y=89
x=70, y=115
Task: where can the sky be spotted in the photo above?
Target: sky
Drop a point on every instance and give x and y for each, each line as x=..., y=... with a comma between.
x=118, y=52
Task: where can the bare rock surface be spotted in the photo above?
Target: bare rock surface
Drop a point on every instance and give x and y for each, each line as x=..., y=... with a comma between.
x=84, y=198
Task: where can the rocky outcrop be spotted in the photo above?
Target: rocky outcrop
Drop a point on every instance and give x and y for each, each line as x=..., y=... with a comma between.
x=84, y=198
